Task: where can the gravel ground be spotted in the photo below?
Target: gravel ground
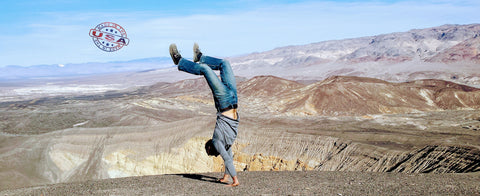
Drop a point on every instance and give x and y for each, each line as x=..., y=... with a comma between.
x=270, y=183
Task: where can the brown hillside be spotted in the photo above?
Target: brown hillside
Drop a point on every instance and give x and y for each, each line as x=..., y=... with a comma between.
x=468, y=50
x=348, y=95
x=267, y=86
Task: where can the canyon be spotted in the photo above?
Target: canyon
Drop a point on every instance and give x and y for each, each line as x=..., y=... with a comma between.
x=339, y=124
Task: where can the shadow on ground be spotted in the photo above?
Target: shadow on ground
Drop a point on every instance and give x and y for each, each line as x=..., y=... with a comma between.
x=200, y=177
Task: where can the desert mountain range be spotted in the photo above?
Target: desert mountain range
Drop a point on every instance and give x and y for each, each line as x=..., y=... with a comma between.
x=449, y=52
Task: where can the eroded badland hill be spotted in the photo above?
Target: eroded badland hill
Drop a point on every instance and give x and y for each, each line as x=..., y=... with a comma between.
x=339, y=124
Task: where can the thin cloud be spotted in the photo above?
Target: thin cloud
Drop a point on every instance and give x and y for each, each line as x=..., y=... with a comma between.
x=62, y=37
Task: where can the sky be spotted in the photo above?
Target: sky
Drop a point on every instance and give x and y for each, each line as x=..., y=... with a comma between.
x=34, y=32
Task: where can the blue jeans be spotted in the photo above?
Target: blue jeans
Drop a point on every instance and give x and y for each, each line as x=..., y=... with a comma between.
x=224, y=90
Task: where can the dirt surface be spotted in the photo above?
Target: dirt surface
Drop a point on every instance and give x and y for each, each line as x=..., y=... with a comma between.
x=274, y=183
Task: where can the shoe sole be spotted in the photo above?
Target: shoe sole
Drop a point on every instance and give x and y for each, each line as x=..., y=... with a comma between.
x=195, y=55
x=173, y=50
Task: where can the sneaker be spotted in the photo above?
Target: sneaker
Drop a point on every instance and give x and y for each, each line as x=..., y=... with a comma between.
x=196, y=53
x=175, y=54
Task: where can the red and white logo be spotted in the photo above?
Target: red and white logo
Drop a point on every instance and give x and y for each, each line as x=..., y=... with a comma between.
x=109, y=36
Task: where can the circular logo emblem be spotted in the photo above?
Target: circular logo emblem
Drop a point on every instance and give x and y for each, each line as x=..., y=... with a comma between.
x=109, y=36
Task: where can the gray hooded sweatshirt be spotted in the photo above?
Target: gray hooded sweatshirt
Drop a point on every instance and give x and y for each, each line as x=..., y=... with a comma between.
x=224, y=135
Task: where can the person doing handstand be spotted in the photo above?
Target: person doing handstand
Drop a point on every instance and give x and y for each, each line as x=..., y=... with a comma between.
x=224, y=92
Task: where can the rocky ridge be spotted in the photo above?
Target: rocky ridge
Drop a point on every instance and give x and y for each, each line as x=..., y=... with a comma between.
x=448, y=52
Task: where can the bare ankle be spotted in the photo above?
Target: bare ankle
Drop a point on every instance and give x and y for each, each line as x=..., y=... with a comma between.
x=234, y=184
